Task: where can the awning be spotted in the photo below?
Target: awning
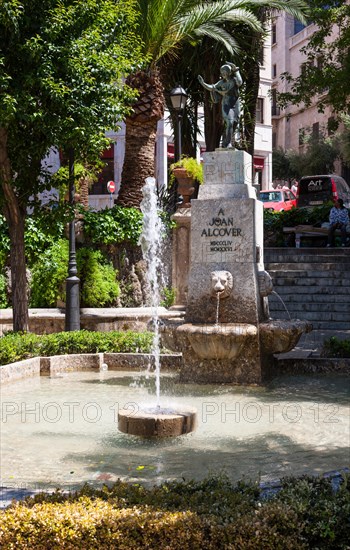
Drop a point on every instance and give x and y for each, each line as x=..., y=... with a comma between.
x=259, y=163
x=171, y=151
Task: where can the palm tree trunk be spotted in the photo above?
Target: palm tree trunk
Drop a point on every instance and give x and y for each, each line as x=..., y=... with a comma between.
x=140, y=138
x=15, y=217
x=253, y=77
x=139, y=161
x=214, y=126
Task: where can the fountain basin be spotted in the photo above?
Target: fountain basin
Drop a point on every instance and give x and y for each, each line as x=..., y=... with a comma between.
x=154, y=422
x=282, y=336
x=237, y=353
x=223, y=341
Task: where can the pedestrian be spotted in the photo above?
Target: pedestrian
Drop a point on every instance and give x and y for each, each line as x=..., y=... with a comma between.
x=294, y=187
x=338, y=219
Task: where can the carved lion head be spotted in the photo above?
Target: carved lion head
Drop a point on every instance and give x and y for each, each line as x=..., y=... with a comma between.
x=221, y=283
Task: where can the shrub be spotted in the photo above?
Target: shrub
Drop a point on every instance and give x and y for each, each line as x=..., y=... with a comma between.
x=16, y=346
x=274, y=222
x=3, y=292
x=169, y=295
x=210, y=514
x=44, y=228
x=49, y=275
x=99, y=287
x=333, y=347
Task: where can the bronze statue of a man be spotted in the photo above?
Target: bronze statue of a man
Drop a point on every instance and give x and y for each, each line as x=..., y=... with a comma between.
x=227, y=88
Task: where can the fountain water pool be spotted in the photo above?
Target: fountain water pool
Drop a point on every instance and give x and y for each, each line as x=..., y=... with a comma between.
x=62, y=431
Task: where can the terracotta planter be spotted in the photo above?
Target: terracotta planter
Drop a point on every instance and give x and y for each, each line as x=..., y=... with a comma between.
x=185, y=186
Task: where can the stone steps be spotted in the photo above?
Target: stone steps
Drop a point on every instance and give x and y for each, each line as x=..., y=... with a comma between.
x=310, y=284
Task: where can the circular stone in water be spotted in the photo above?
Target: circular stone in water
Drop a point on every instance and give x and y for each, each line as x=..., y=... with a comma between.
x=154, y=422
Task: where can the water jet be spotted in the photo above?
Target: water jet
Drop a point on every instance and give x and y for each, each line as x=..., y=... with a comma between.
x=156, y=421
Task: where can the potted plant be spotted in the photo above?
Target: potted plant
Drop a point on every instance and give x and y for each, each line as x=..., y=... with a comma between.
x=186, y=171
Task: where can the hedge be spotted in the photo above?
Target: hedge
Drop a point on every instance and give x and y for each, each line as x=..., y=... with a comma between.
x=211, y=514
x=16, y=346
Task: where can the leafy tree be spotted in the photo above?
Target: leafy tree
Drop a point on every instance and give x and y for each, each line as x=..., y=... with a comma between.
x=327, y=63
x=61, y=84
x=341, y=139
x=281, y=165
x=318, y=158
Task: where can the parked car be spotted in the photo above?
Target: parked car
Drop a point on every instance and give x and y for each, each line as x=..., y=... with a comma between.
x=317, y=190
x=278, y=199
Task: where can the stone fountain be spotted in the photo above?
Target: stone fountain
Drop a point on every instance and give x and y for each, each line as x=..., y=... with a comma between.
x=226, y=335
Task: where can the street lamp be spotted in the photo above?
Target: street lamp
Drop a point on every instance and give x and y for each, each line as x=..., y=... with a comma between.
x=178, y=98
x=72, y=320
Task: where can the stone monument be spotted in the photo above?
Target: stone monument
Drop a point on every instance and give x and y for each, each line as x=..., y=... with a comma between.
x=226, y=335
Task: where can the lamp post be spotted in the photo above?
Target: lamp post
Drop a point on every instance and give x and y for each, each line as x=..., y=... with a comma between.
x=178, y=98
x=72, y=320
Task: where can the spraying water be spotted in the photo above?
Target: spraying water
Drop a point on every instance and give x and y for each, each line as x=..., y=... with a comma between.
x=282, y=302
x=217, y=309
x=151, y=241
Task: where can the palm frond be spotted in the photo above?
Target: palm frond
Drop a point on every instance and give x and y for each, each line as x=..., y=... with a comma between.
x=297, y=8
x=220, y=35
x=164, y=24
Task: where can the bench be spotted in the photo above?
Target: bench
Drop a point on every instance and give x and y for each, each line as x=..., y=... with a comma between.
x=307, y=231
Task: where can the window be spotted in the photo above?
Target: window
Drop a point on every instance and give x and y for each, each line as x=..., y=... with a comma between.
x=320, y=62
x=274, y=33
x=298, y=26
x=274, y=140
x=316, y=130
x=275, y=110
x=260, y=110
x=261, y=56
x=301, y=136
x=332, y=125
x=305, y=68
x=106, y=174
x=274, y=70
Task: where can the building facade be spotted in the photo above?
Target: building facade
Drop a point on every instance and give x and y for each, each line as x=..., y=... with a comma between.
x=291, y=125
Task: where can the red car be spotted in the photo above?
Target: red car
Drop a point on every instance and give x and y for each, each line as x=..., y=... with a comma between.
x=278, y=199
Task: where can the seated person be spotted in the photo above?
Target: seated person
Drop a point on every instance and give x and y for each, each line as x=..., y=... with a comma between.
x=338, y=219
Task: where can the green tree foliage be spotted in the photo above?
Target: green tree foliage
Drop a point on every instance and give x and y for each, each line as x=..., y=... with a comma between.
x=281, y=168
x=61, y=84
x=99, y=287
x=318, y=158
x=341, y=139
x=327, y=63
x=113, y=225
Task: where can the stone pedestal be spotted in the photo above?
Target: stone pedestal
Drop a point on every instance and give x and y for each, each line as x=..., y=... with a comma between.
x=181, y=255
x=226, y=336
x=226, y=235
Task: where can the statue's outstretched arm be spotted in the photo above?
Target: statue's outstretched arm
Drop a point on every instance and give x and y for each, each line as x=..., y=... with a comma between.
x=210, y=87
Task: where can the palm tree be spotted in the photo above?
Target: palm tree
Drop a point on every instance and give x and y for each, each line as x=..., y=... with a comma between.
x=163, y=26
x=198, y=60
